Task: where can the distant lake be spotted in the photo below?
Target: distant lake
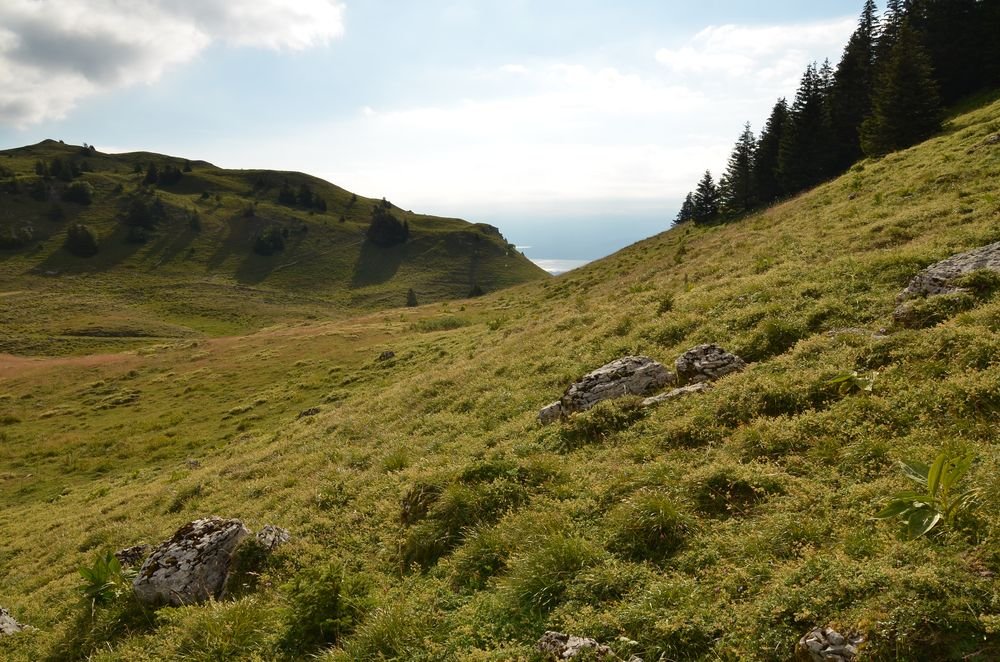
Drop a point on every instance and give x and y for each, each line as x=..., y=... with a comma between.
x=558, y=244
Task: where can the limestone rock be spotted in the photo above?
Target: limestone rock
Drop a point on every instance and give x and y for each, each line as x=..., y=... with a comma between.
x=676, y=393
x=306, y=413
x=706, y=363
x=630, y=375
x=827, y=645
x=10, y=626
x=550, y=413
x=131, y=556
x=387, y=355
x=272, y=537
x=192, y=566
x=939, y=278
x=561, y=646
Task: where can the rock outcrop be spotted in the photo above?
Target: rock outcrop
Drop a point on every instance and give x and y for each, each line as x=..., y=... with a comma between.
x=706, y=363
x=8, y=625
x=132, y=556
x=939, y=278
x=192, y=566
x=272, y=537
x=631, y=375
x=827, y=645
x=561, y=646
x=676, y=393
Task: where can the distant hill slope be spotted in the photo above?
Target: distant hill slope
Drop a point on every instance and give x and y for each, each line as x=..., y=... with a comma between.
x=194, y=269
x=434, y=519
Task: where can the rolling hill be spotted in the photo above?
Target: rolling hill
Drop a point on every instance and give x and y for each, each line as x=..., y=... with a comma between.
x=432, y=518
x=180, y=251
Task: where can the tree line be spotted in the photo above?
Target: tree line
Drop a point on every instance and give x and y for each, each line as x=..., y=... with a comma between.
x=897, y=73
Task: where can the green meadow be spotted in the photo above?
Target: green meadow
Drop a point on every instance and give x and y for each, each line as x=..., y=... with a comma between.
x=432, y=517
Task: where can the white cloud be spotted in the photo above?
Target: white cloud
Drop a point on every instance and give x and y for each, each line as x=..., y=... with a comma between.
x=54, y=53
x=772, y=55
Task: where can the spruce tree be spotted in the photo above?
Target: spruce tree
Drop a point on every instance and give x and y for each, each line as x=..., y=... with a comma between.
x=947, y=30
x=850, y=96
x=686, y=212
x=906, y=106
x=706, y=200
x=806, y=142
x=767, y=183
x=737, y=186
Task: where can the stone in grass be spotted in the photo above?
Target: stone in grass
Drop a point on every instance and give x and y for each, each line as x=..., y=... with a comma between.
x=132, y=556
x=10, y=626
x=827, y=645
x=706, y=363
x=630, y=375
x=272, y=537
x=191, y=567
x=940, y=277
x=676, y=393
x=559, y=646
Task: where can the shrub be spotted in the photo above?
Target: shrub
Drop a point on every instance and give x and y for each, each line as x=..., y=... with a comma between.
x=385, y=229
x=79, y=192
x=269, y=242
x=411, y=298
x=649, y=526
x=539, y=578
x=81, y=240
x=326, y=603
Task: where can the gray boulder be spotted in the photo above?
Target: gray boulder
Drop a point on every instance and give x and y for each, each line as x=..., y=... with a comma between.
x=561, y=646
x=827, y=645
x=272, y=537
x=132, y=556
x=8, y=625
x=939, y=278
x=676, y=393
x=706, y=363
x=630, y=375
x=192, y=566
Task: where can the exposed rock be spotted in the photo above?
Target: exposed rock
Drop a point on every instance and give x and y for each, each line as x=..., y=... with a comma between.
x=550, y=413
x=939, y=278
x=273, y=537
x=386, y=355
x=10, y=626
x=631, y=375
x=827, y=645
x=566, y=646
x=131, y=556
x=192, y=566
x=690, y=389
x=706, y=363
x=306, y=413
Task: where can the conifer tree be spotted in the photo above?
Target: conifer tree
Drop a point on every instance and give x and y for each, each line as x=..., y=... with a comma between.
x=948, y=30
x=737, y=188
x=850, y=96
x=806, y=142
x=706, y=200
x=906, y=106
x=767, y=183
x=686, y=212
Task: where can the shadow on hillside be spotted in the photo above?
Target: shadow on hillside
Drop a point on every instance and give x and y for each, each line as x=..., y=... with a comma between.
x=114, y=249
x=168, y=247
x=238, y=239
x=376, y=264
x=256, y=268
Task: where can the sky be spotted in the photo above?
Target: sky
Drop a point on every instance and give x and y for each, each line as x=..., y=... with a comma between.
x=576, y=126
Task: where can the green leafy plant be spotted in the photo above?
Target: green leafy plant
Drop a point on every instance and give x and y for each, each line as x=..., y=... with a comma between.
x=105, y=581
x=939, y=501
x=853, y=382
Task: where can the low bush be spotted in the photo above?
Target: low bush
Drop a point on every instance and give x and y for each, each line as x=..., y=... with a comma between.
x=81, y=240
x=326, y=602
x=649, y=526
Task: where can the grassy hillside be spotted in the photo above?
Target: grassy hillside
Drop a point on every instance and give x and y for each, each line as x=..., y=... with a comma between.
x=721, y=526
x=196, y=272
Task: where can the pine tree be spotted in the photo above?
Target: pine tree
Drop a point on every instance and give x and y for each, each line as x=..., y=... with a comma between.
x=850, y=96
x=947, y=30
x=767, y=183
x=804, y=155
x=737, y=188
x=706, y=200
x=988, y=20
x=686, y=212
x=906, y=106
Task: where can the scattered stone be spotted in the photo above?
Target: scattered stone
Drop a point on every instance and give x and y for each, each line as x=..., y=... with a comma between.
x=273, y=537
x=706, y=363
x=312, y=411
x=990, y=140
x=192, y=566
x=630, y=375
x=690, y=389
x=10, y=626
x=192, y=464
x=566, y=646
x=827, y=645
x=386, y=355
x=939, y=278
x=132, y=556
